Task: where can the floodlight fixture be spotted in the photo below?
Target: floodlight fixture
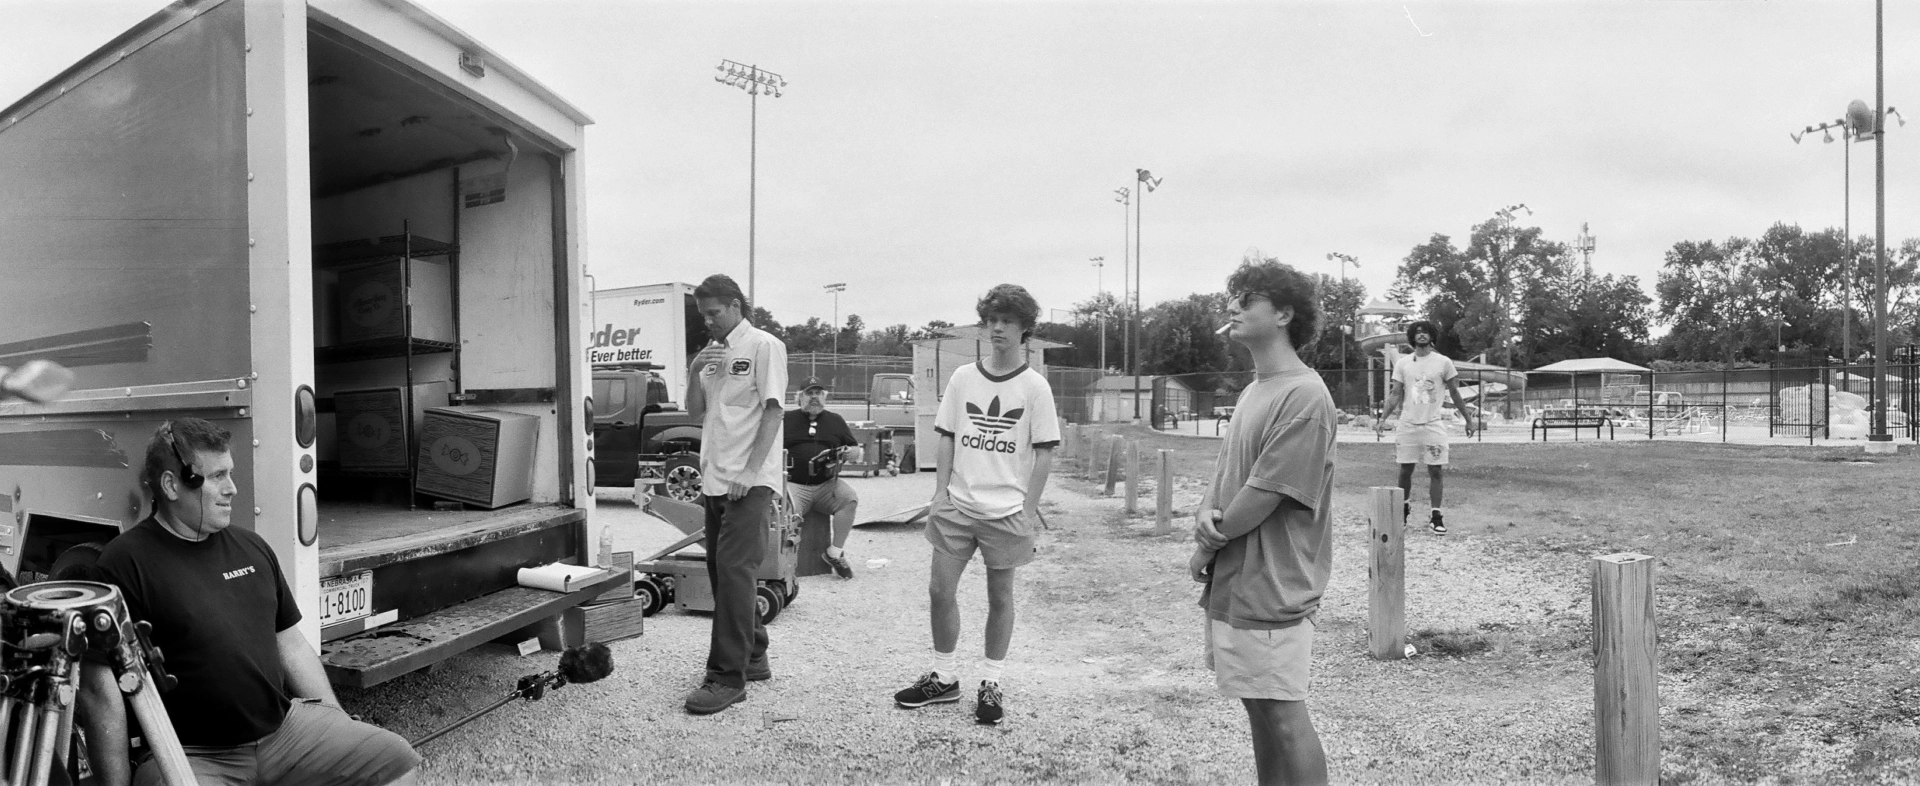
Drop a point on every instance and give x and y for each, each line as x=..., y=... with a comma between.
x=756, y=81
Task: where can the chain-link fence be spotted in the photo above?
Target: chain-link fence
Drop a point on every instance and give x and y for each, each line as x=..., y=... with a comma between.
x=1799, y=402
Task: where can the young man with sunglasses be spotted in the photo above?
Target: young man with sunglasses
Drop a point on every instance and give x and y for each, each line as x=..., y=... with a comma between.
x=1421, y=435
x=815, y=441
x=1264, y=533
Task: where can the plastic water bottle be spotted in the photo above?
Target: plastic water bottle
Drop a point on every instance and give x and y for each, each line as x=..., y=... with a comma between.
x=606, y=546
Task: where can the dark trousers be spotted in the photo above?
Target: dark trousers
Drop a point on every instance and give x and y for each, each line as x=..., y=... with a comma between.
x=736, y=543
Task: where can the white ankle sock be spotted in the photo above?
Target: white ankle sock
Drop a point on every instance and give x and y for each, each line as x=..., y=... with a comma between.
x=946, y=667
x=990, y=669
x=834, y=552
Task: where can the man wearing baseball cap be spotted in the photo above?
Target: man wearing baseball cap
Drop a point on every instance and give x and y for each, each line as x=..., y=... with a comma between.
x=815, y=439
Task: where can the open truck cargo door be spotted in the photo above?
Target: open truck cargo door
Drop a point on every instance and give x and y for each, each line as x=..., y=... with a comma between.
x=191, y=210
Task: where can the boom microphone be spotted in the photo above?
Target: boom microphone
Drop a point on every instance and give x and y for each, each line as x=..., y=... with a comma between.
x=590, y=662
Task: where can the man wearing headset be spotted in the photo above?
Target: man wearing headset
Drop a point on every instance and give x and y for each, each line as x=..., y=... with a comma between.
x=253, y=705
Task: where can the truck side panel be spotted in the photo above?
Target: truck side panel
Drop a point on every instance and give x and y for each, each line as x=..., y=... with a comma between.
x=126, y=202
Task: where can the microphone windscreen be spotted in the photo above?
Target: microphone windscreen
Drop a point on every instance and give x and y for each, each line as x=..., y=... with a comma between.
x=587, y=663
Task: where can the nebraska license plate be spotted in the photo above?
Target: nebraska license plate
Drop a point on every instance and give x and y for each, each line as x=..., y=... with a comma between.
x=346, y=598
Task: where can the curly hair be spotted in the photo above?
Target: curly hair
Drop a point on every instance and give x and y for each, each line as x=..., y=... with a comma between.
x=186, y=436
x=1285, y=287
x=1010, y=300
x=1424, y=325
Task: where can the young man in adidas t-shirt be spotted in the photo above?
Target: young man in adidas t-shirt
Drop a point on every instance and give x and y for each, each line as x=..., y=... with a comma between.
x=997, y=433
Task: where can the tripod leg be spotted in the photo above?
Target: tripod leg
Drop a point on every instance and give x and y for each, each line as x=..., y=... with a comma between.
x=8, y=704
x=23, y=740
x=161, y=739
x=55, y=714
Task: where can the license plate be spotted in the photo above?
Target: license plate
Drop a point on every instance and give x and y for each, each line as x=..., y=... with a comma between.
x=346, y=598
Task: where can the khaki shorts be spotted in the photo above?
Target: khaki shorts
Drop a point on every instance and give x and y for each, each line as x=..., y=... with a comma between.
x=1425, y=443
x=1261, y=664
x=315, y=745
x=1002, y=543
x=830, y=497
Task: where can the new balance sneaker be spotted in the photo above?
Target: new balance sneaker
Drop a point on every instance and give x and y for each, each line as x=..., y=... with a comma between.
x=1437, y=523
x=712, y=697
x=987, y=708
x=928, y=690
x=839, y=564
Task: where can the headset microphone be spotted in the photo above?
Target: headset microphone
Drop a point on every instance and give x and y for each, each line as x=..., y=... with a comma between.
x=188, y=477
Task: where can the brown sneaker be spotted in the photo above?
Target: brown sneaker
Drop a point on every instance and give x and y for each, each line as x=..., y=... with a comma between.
x=712, y=697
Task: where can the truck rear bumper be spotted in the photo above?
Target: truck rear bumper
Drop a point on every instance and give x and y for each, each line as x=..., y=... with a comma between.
x=380, y=655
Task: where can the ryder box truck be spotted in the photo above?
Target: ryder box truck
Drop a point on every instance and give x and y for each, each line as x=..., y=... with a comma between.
x=349, y=234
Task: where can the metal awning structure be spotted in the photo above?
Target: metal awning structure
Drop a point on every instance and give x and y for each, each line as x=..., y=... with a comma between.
x=1590, y=366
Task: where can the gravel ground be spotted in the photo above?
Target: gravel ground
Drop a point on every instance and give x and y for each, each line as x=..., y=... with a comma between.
x=1104, y=684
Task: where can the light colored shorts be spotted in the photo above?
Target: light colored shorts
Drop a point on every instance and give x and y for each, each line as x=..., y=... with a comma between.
x=316, y=745
x=830, y=497
x=1425, y=443
x=1002, y=543
x=1261, y=664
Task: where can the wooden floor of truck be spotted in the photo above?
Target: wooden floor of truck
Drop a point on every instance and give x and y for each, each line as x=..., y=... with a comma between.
x=359, y=536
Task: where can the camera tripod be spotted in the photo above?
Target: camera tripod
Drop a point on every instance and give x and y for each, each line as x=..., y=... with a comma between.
x=46, y=630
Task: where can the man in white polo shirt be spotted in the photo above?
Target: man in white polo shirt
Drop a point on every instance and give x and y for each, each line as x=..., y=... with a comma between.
x=734, y=386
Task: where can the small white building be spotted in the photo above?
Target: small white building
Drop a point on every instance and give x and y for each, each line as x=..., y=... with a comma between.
x=1112, y=399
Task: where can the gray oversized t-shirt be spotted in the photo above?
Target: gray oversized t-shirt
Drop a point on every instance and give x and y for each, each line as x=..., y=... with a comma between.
x=1281, y=439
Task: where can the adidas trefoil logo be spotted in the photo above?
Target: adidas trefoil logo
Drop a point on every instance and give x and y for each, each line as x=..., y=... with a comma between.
x=993, y=421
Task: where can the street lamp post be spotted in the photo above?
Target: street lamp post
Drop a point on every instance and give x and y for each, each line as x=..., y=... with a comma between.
x=1100, y=288
x=1148, y=183
x=755, y=81
x=1345, y=259
x=1856, y=126
x=1125, y=197
x=1499, y=284
x=835, y=290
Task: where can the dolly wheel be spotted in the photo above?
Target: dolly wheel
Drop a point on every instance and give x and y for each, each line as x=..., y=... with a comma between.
x=793, y=590
x=767, y=603
x=651, y=595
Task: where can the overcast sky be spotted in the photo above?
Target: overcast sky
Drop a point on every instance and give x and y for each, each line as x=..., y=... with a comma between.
x=926, y=151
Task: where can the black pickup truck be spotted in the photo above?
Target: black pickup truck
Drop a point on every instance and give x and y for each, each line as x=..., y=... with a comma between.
x=639, y=439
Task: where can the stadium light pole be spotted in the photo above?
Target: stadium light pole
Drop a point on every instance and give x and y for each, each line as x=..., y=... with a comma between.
x=835, y=290
x=755, y=80
x=1880, y=441
x=1499, y=295
x=1147, y=183
x=1100, y=288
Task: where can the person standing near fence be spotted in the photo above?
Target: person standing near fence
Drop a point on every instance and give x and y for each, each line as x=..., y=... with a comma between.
x=1420, y=437
x=1264, y=533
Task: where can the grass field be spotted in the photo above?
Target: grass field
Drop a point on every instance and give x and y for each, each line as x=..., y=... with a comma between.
x=1788, y=591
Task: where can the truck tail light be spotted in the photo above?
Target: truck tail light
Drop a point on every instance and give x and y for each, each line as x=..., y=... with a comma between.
x=308, y=502
x=306, y=417
x=588, y=420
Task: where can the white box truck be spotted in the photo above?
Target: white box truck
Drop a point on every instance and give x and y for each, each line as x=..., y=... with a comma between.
x=656, y=327
x=240, y=210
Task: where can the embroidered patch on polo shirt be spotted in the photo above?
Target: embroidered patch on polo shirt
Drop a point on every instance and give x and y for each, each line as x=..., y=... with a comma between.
x=741, y=367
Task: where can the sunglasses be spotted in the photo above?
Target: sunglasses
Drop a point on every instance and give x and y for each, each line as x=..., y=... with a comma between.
x=1245, y=299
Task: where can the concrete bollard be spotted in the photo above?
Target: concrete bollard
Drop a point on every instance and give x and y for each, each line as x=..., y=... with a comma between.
x=1163, y=514
x=1113, y=462
x=1386, y=578
x=1626, y=686
x=1133, y=476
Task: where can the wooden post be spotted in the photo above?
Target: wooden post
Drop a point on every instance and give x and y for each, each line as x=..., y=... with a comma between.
x=1113, y=462
x=1070, y=444
x=1163, y=517
x=1386, y=579
x=1133, y=476
x=1626, y=687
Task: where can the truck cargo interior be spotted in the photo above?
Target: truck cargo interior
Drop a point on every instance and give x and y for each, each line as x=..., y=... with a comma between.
x=433, y=289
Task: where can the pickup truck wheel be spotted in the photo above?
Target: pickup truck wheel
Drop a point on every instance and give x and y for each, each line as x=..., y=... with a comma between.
x=683, y=477
x=651, y=595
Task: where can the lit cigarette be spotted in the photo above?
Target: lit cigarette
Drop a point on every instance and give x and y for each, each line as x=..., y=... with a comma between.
x=1223, y=329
